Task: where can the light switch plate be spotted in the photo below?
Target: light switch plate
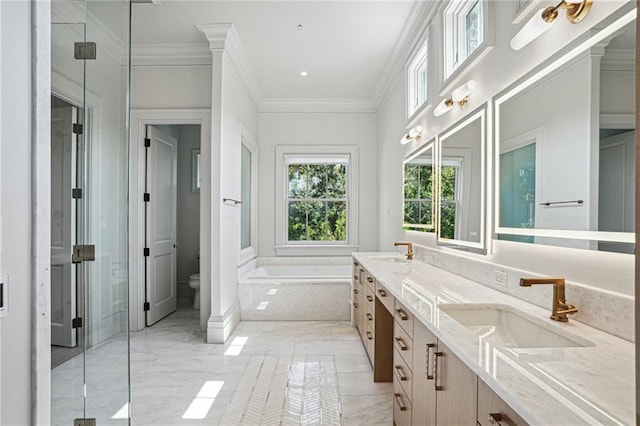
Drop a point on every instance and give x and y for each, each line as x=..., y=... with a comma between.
x=500, y=277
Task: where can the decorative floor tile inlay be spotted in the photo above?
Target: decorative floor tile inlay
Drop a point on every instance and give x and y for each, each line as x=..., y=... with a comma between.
x=287, y=391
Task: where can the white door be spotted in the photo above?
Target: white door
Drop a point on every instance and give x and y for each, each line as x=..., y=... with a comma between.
x=63, y=228
x=616, y=200
x=161, y=225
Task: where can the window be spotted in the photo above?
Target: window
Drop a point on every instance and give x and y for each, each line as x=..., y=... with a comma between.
x=314, y=209
x=417, y=81
x=450, y=197
x=464, y=31
x=249, y=196
x=245, y=192
x=418, y=195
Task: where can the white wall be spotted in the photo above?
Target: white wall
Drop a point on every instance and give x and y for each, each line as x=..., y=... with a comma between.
x=317, y=129
x=500, y=67
x=16, y=208
x=157, y=87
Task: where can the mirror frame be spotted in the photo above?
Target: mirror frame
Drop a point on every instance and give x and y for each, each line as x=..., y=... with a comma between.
x=484, y=114
x=429, y=228
x=554, y=63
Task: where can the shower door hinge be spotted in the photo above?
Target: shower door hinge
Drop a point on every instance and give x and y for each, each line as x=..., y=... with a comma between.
x=147, y=142
x=147, y=197
x=147, y=306
x=76, y=323
x=77, y=129
x=83, y=253
x=85, y=50
x=145, y=252
x=76, y=193
x=84, y=422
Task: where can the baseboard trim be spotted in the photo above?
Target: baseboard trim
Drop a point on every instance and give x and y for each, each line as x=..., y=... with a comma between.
x=219, y=328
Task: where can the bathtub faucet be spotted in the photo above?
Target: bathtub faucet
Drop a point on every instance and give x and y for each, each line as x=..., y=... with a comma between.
x=409, y=248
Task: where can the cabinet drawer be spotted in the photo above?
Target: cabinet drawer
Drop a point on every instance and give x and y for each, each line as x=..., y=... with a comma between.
x=404, y=317
x=403, y=343
x=368, y=338
x=385, y=297
x=491, y=408
x=403, y=374
x=371, y=282
x=401, y=406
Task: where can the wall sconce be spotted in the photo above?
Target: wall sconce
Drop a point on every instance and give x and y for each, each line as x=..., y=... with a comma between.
x=414, y=134
x=541, y=21
x=459, y=96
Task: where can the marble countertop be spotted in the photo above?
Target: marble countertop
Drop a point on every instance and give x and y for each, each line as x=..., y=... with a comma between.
x=590, y=384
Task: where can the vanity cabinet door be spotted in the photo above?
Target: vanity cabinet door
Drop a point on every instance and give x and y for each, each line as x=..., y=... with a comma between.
x=492, y=410
x=424, y=393
x=456, y=390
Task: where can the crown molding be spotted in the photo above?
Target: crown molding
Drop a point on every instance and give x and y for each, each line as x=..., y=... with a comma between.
x=412, y=31
x=223, y=37
x=170, y=54
x=352, y=105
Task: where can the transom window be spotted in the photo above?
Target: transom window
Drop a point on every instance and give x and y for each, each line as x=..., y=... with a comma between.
x=464, y=31
x=317, y=204
x=417, y=80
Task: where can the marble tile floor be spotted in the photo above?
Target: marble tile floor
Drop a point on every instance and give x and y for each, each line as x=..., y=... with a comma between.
x=268, y=373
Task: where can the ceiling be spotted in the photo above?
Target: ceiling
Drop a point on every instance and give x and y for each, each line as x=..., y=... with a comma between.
x=344, y=46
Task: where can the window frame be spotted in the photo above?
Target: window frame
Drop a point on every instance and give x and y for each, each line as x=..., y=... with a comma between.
x=284, y=156
x=418, y=62
x=251, y=252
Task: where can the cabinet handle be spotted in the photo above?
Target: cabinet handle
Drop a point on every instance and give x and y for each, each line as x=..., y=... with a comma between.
x=355, y=263
x=369, y=317
x=429, y=360
x=401, y=374
x=355, y=305
x=382, y=293
x=369, y=279
x=402, y=314
x=436, y=384
x=355, y=290
x=369, y=335
x=495, y=419
x=400, y=402
x=369, y=298
x=355, y=277
x=401, y=344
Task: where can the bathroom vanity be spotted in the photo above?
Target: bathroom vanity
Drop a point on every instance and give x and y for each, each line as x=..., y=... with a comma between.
x=462, y=353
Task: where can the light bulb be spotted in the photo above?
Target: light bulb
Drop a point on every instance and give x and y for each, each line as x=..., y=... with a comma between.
x=405, y=139
x=530, y=31
x=463, y=91
x=415, y=132
x=443, y=107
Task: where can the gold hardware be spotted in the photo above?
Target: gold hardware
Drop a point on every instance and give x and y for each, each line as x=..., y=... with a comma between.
x=369, y=298
x=575, y=12
x=399, y=401
x=355, y=305
x=369, y=317
x=401, y=344
x=495, y=418
x=559, y=307
x=382, y=292
x=429, y=347
x=355, y=277
x=400, y=373
x=409, y=248
x=402, y=314
x=369, y=335
x=355, y=291
x=355, y=263
x=437, y=355
x=83, y=253
x=369, y=279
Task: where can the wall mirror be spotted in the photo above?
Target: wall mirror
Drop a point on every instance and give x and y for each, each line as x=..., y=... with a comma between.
x=460, y=169
x=565, y=147
x=418, y=199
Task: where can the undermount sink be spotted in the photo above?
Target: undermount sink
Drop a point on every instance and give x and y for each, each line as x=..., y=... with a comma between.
x=507, y=327
x=386, y=258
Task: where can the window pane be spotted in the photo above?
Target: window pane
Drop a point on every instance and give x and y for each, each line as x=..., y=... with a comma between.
x=297, y=221
x=317, y=180
x=297, y=180
x=245, y=208
x=316, y=221
x=448, y=183
x=336, y=221
x=426, y=217
x=472, y=22
x=426, y=182
x=411, y=181
x=411, y=212
x=447, y=219
x=336, y=181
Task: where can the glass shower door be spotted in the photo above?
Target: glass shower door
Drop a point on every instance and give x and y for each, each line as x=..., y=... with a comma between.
x=90, y=72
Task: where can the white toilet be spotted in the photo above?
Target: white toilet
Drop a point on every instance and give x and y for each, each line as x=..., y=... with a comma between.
x=194, y=283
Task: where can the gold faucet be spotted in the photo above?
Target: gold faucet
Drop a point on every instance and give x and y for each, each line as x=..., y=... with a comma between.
x=560, y=307
x=409, y=248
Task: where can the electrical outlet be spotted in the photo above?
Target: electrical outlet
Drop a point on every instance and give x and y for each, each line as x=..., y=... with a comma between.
x=500, y=278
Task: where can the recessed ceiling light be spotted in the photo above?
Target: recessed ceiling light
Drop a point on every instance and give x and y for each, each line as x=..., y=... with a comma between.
x=303, y=73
